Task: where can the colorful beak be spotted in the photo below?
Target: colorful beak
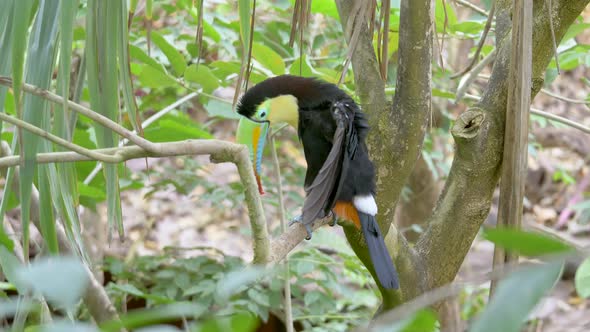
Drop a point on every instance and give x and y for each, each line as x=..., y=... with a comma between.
x=253, y=134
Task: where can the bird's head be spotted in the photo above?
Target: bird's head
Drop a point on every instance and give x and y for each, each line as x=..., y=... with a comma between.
x=269, y=102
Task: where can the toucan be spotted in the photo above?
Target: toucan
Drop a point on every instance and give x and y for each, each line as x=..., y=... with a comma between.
x=340, y=177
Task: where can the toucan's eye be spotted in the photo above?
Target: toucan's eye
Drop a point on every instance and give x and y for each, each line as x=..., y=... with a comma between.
x=262, y=114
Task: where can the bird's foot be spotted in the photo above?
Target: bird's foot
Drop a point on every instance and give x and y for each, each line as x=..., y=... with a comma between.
x=334, y=220
x=299, y=219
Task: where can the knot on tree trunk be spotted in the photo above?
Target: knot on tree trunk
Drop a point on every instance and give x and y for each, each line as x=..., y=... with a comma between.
x=468, y=124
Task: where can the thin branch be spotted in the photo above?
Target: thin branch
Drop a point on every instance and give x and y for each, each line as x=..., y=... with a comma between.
x=566, y=99
x=56, y=139
x=473, y=75
x=549, y=5
x=100, y=119
x=472, y=7
x=561, y=119
x=482, y=41
x=287, y=283
x=546, y=115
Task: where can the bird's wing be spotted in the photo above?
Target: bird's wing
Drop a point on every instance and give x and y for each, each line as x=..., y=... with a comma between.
x=322, y=193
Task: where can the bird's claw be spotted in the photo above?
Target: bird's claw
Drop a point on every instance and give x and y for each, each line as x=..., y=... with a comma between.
x=334, y=220
x=299, y=219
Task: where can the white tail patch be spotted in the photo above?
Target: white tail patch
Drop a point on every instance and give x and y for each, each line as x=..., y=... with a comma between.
x=365, y=204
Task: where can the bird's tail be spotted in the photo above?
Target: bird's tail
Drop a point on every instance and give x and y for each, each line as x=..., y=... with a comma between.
x=380, y=258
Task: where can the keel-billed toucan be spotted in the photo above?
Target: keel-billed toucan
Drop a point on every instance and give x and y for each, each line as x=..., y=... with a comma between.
x=340, y=176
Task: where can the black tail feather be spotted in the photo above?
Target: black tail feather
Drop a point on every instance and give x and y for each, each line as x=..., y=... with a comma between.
x=380, y=258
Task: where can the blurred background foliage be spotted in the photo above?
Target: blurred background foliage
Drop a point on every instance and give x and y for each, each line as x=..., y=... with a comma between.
x=141, y=62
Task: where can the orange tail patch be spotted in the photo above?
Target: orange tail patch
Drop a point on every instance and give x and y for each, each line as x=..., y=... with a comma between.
x=347, y=211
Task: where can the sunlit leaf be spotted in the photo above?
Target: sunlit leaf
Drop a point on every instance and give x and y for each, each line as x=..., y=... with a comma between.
x=301, y=67
x=203, y=76
x=221, y=109
x=153, y=78
x=267, y=57
x=176, y=59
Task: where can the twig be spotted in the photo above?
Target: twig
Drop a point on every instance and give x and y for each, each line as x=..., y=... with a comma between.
x=287, y=283
x=560, y=119
x=566, y=99
x=100, y=119
x=57, y=140
x=473, y=74
x=546, y=115
x=472, y=7
x=549, y=5
x=482, y=41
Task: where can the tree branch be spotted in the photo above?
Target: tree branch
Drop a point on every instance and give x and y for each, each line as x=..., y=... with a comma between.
x=478, y=133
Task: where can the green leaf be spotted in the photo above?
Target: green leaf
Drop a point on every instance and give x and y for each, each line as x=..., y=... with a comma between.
x=301, y=67
x=574, y=30
x=235, y=280
x=125, y=69
x=468, y=27
x=583, y=279
x=139, y=54
x=423, y=321
x=516, y=296
x=439, y=15
x=244, y=10
x=268, y=58
x=163, y=313
x=61, y=280
x=203, y=76
x=311, y=297
x=171, y=128
x=221, y=109
x=153, y=78
x=40, y=68
x=176, y=59
x=525, y=243
x=102, y=33
x=243, y=322
x=10, y=266
x=67, y=326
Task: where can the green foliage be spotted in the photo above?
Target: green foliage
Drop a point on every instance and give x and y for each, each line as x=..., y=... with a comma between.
x=522, y=290
x=227, y=287
x=526, y=243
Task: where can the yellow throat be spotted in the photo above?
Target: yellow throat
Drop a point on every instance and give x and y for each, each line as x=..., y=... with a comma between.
x=283, y=109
